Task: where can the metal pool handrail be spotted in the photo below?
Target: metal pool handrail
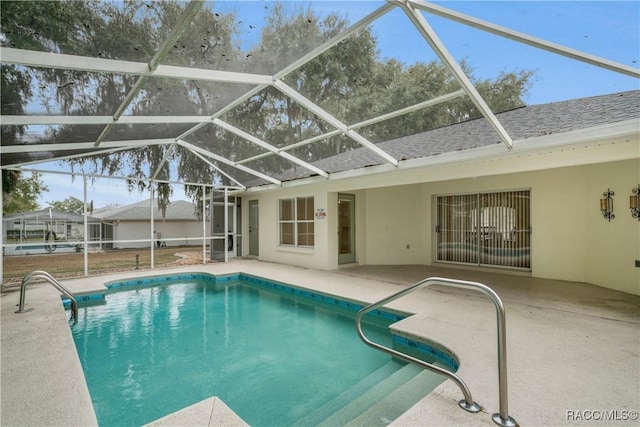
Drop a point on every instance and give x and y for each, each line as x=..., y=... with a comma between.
x=501, y=418
x=39, y=274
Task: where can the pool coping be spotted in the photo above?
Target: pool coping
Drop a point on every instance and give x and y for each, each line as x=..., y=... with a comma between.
x=208, y=412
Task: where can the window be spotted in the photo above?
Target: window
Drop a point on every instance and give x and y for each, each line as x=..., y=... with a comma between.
x=296, y=222
x=485, y=229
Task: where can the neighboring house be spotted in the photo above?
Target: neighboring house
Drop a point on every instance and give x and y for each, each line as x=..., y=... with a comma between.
x=48, y=230
x=459, y=198
x=132, y=227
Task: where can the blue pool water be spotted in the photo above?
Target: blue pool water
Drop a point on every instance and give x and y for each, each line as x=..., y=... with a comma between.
x=272, y=356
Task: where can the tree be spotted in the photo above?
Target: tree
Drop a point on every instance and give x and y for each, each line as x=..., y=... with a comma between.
x=353, y=84
x=70, y=204
x=421, y=81
x=32, y=25
x=329, y=81
x=349, y=81
x=24, y=195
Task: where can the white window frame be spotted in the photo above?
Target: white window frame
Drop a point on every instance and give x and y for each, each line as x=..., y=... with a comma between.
x=295, y=221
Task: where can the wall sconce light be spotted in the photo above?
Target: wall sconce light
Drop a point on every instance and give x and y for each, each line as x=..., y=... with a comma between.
x=634, y=202
x=606, y=205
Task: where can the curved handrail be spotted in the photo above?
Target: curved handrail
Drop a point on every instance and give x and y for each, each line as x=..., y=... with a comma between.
x=502, y=418
x=39, y=274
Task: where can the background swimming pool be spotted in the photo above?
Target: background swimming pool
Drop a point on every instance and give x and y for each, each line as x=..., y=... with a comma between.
x=270, y=356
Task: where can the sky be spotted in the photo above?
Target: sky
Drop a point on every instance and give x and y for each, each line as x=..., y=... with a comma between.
x=102, y=191
x=608, y=29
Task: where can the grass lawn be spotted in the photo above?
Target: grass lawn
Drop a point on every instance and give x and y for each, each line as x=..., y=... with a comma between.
x=72, y=264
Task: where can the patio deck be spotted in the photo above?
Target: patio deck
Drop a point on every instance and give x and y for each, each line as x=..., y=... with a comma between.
x=573, y=348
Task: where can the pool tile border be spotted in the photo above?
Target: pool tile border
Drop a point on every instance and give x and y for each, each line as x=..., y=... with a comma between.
x=440, y=355
x=421, y=347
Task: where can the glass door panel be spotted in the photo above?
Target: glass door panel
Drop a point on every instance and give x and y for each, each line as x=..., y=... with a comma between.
x=346, y=229
x=484, y=229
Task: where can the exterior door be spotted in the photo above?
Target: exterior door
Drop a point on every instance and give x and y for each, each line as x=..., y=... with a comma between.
x=490, y=229
x=223, y=227
x=346, y=228
x=253, y=228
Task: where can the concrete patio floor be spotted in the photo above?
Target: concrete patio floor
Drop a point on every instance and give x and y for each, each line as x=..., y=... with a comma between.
x=573, y=348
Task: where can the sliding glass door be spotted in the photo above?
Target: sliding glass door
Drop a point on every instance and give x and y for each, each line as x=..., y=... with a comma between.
x=485, y=229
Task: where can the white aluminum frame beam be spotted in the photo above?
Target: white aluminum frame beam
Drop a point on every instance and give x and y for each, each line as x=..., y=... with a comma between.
x=43, y=59
x=122, y=178
x=71, y=156
x=226, y=161
x=313, y=139
x=184, y=20
x=194, y=129
x=167, y=153
x=83, y=63
x=208, y=162
x=298, y=63
x=370, y=18
x=28, y=148
x=445, y=56
x=154, y=69
x=373, y=120
x=187, y=16
x=525, y=38
x=242, y=134
x=311, y=106
x=410, y=109
x=27, y=120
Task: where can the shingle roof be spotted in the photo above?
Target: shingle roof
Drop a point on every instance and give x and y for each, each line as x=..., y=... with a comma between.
x=521, y=123
x=179, y=210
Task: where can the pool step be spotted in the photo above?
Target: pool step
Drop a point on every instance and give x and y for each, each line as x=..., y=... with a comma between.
x=316, y=417
x=398, y=401
x=372, y=396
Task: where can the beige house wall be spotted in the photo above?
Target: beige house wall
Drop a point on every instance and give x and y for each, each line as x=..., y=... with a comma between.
x=395, y=218
x=613, y=247
x=570, y=238
x=269, y=247
x=185, y=233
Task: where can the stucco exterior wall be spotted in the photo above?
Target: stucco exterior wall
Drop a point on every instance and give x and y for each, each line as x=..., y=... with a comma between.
x=557, y=239
x=613, y=246
x=269, y=247
x=570, y=238
x=394, y=223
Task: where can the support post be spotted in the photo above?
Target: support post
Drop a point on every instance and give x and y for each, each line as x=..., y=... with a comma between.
x=204, y=225
x=2, y=232
x=226, y=224
x=86, y=226
x=153, y=232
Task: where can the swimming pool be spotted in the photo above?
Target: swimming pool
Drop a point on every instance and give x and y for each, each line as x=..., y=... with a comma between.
x=274, y=354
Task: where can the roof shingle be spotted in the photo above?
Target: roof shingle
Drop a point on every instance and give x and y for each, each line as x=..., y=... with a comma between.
x=521, y=123
x=179, y=210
